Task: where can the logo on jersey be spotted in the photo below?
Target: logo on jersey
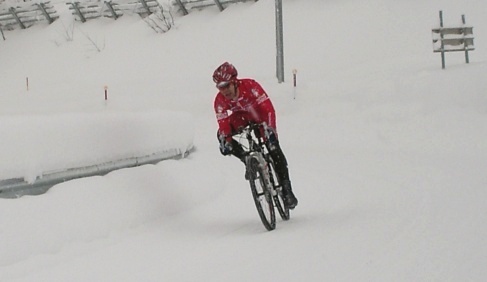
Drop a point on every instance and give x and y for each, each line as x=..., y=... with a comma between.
x=220, y=113
x=255, y=92
x=219, y=109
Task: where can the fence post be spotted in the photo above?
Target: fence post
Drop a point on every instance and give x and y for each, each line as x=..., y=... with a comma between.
x=220, y=6
x=442, y=45
x=110, y=7
x=78, y=11
x=181, y=5
x=14, y=14
x=146, y=7
x=44, y=11
x=465, y=43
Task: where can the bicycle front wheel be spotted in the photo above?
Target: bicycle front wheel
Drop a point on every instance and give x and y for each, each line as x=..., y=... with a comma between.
x=259, y=181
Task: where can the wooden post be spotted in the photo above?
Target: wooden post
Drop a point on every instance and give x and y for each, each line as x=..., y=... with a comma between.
x=16, y=17
x=465, y=43
x=442, y=45
x=44, y=12
x=78, y=11
x=146, y=7
x=106, y=92
x=220, y=6
x=181, y=5
x=111, y=9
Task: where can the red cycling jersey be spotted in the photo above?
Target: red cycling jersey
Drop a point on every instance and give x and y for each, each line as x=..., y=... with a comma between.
x=252, y=105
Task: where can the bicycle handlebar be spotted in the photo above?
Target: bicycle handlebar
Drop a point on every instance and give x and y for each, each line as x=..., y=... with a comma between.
x=255, y=141
x=248, y=129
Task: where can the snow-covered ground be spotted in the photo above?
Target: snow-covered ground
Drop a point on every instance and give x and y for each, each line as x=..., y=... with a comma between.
x=387, y=151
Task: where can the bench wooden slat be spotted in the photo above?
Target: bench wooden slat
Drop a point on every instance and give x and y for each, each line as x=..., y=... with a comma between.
x=453, y=50
x=453, y=30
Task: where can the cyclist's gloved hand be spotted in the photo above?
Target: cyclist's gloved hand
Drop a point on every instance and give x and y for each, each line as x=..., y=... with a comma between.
x=270, y=135
x=225, y=146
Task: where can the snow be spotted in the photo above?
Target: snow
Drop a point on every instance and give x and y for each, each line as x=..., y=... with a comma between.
x=386, y=150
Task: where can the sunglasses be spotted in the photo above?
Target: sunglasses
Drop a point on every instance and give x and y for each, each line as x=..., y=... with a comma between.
x=223, y=85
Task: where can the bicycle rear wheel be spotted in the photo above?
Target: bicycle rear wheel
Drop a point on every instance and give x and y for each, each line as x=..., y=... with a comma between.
x=259, y=179
x=277, y=194
x=283, y=210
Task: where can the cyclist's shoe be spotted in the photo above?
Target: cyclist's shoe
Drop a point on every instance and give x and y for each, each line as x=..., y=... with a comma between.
x=289, y=199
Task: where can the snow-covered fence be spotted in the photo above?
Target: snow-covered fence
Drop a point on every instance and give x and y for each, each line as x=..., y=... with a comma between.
x=17, y=187
x=452, y=39
x=26, y=16
x=112, y=9
x=84, y=11
x=186, y=5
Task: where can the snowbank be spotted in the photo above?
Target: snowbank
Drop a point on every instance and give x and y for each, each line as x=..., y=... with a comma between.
x=36, y=145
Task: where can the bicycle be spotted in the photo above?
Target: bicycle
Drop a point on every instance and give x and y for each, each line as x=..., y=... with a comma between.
x=261, y=174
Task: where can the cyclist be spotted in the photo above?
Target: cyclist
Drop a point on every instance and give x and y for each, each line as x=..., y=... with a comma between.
x=238, y=103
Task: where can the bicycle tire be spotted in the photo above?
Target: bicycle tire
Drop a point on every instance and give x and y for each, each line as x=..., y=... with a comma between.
x=277, y=195
x=262, y=197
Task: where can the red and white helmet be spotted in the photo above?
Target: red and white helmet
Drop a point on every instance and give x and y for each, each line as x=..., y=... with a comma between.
x=224, y=74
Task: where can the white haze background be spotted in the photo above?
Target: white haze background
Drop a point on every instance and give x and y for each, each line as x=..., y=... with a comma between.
x=387, y=151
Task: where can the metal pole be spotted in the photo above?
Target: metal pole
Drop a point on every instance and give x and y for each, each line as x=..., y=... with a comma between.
x=279, y=43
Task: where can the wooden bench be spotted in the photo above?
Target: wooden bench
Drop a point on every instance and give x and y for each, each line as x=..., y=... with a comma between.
x=452, y=39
